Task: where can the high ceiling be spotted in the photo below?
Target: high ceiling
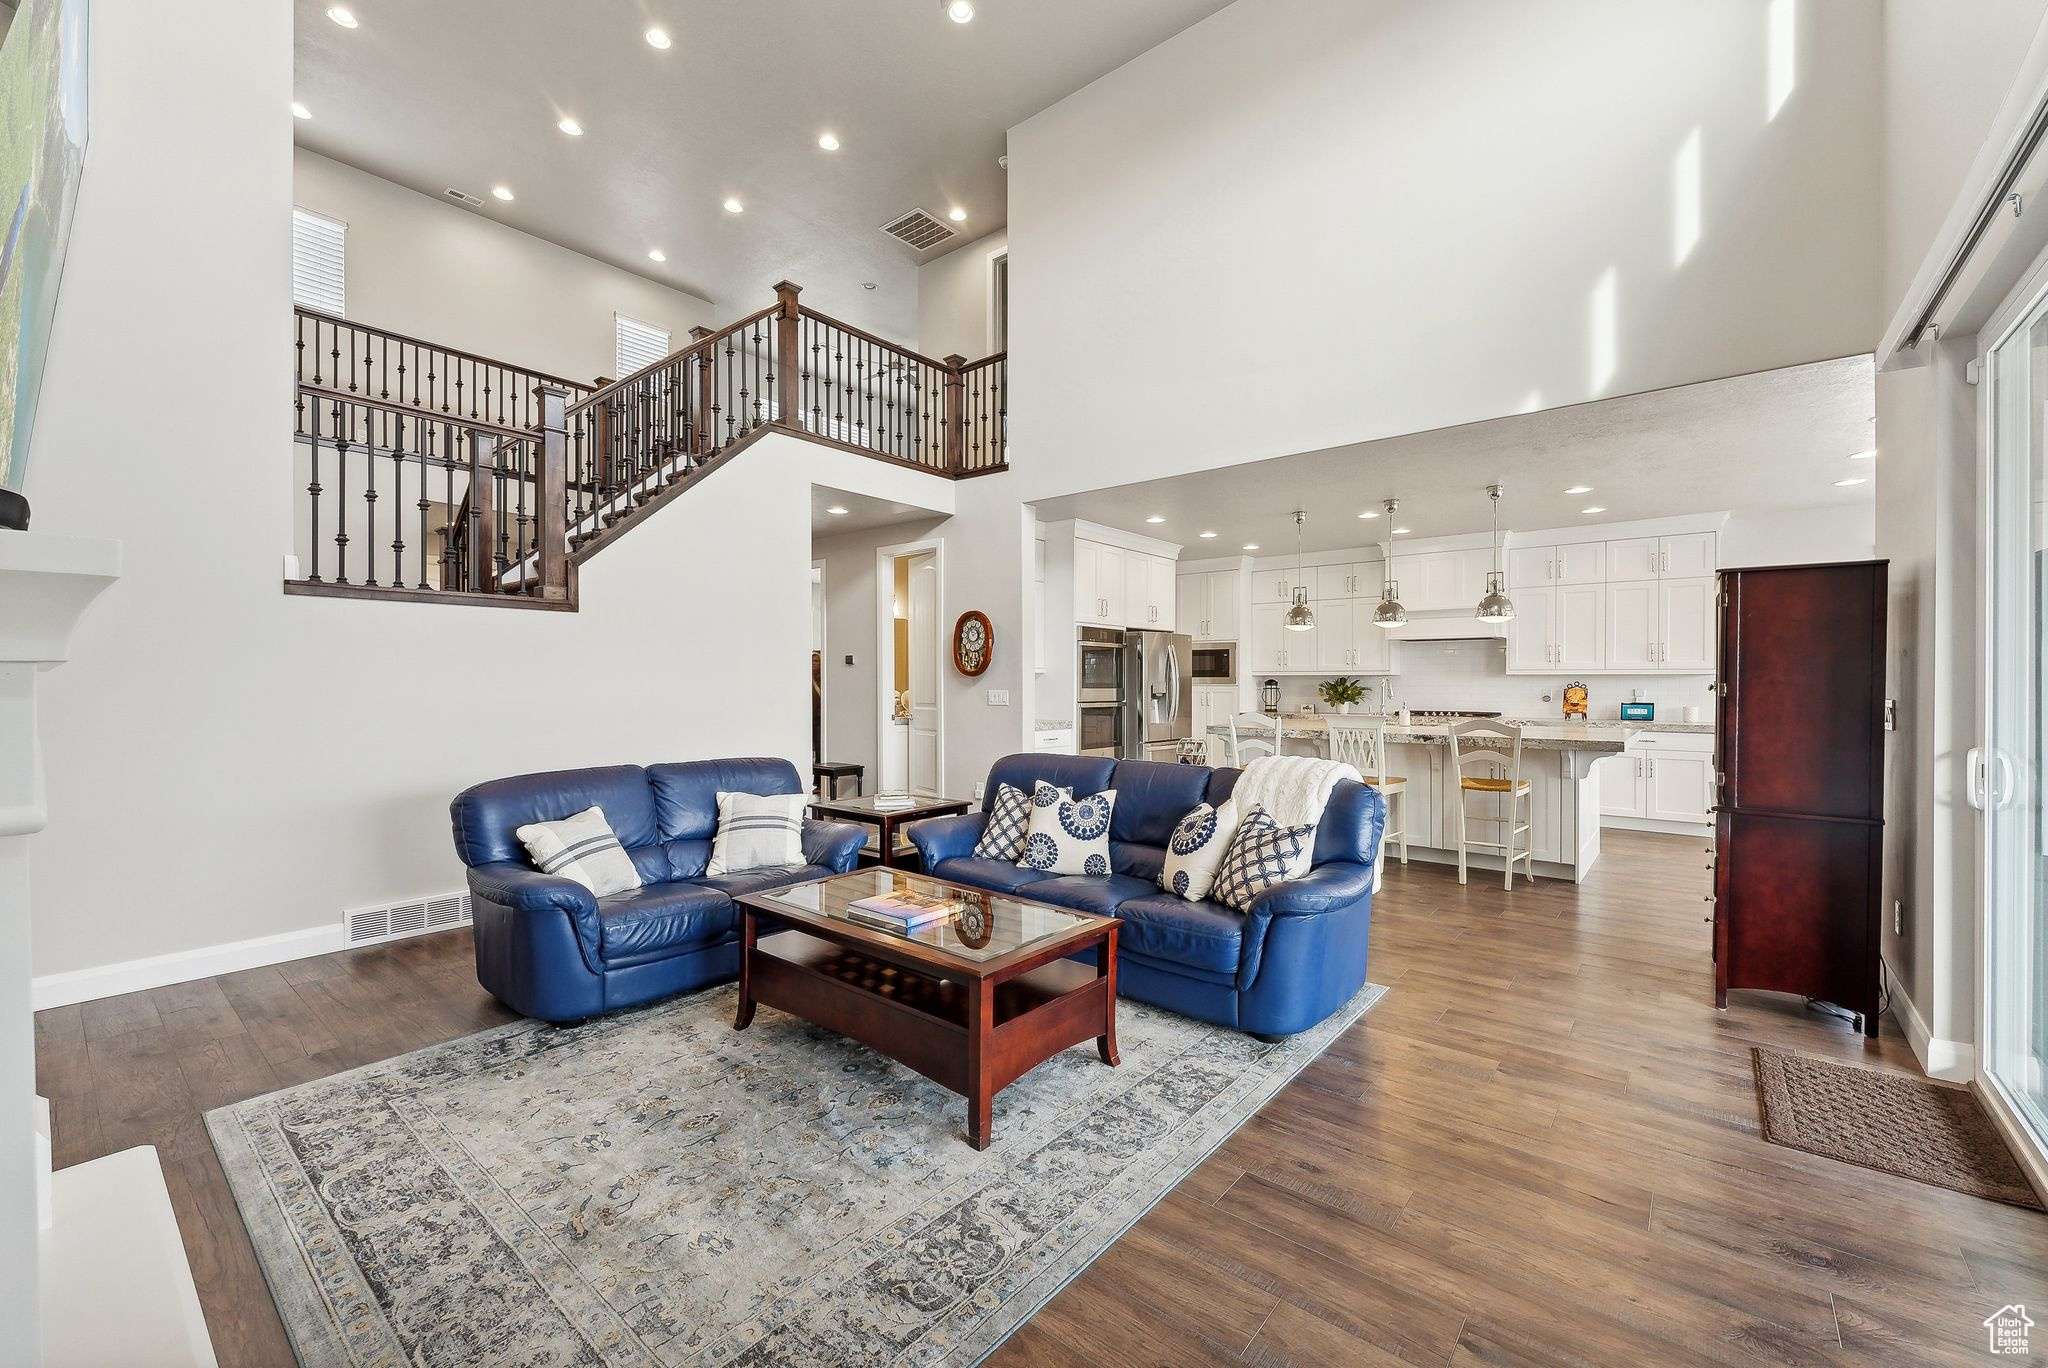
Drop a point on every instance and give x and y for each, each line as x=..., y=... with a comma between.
x=468, y=93
x=1758, y=443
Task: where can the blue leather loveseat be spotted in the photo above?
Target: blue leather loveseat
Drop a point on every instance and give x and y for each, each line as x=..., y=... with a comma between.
x=1295, y=956
x=548, y=948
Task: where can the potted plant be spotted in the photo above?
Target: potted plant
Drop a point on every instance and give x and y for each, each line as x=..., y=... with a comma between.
x=1341, y=692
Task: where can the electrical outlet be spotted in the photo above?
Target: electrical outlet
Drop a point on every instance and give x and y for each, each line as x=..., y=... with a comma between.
x=979, y=785
x=1898, y=917
x=999, y=698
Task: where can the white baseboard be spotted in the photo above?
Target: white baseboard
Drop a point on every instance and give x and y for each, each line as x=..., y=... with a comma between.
x=133, y=976
x=1951, y=1061
x=1662, y=828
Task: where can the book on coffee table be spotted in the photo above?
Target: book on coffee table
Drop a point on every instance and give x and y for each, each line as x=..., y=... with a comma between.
x=902, y=910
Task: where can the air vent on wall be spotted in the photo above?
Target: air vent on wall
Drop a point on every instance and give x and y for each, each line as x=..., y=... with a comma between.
x=464, y=197
x=920, y=230
x=393, y=921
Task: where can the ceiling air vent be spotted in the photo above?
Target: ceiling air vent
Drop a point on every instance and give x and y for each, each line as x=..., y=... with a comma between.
x=920, y=230
x=464, y=197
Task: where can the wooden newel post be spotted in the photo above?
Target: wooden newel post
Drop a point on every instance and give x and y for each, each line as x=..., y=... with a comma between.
x=788, y=362
x=551, y=529
x=703, y=436
x=956, y=413
x=483, y=511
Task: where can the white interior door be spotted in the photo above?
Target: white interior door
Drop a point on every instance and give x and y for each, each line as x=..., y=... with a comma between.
x=924, y=674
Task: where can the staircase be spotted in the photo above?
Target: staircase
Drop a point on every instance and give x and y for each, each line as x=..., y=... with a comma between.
x=508, y=479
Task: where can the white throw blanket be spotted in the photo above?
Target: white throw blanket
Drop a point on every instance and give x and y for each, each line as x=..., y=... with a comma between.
x=1294, y=789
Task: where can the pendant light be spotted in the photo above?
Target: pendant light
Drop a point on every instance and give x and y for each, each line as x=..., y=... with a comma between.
x=1390, y=614
x=1300, y=617
x=1496, y=606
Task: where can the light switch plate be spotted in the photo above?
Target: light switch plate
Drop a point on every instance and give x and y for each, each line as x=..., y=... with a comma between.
x=999, y=698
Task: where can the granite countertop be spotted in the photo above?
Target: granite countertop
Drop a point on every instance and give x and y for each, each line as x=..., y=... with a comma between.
x=1045, y=724
x=1600, y=737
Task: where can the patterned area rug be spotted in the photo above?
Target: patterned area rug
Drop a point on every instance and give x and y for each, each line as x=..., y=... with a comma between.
x=1893, y=1123
x=656, y=1188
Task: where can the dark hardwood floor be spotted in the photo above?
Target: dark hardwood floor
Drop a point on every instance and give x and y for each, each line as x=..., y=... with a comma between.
x=1541, y=1148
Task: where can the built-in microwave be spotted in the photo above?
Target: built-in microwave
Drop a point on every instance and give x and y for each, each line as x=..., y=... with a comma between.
x=1215, y=663
x=1100, y=675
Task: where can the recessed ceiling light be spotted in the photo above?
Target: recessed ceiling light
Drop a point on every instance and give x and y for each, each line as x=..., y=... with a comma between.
x=1580, y=489
x=959, y=11
x=658, y=38
x=656, y=254
x=1370, y=513
x=1155, y=518
x=1844, y=484
x=1870, y=455
x=1251, y=546
x=342, y=16
x=503, y=192
x=957, y=215
x=1596, y=508
x=733, y=206
x=1208, y=535
x=828, y=142
x=571, y=127
x=299, y=111
x=835, y=510
x=1400, y=531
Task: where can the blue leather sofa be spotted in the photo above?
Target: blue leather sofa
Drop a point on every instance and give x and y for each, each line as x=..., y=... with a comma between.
x=1295, y=956
x=548, y=948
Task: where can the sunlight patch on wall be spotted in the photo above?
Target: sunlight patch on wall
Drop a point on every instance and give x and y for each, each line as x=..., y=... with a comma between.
x=1604, y=330
x=1685, y=198
x=1781, y=55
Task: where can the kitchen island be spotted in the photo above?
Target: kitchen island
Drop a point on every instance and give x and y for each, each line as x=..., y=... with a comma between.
x=1557, y=761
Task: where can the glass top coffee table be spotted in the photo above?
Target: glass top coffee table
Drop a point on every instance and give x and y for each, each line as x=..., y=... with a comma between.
x=973, y=1000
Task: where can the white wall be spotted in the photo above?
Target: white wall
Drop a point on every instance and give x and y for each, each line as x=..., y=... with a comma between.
x=1305, y=223
x=433, y=270
x=954, y=300
x=1799, y=536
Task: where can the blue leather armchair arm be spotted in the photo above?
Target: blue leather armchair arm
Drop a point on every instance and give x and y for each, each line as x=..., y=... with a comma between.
x=524, y=889
x=946, y=838
x=834, y=845
x=1333, y=887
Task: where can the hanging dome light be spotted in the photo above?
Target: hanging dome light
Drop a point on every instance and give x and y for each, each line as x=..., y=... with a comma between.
x=1390, y=614
x=1496, y=606
x=1300, y=617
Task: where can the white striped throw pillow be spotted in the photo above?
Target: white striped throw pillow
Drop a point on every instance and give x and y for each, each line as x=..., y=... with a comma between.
x=758, y=831
x=583, y=848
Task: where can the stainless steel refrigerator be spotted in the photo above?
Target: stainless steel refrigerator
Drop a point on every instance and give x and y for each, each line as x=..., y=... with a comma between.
x=1158, y=694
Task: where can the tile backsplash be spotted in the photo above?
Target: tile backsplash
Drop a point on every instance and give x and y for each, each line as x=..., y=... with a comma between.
x=1473, y=675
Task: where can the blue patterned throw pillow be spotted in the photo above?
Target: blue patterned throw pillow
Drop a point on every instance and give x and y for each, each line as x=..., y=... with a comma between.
x=1068, y=835
x=1263, y=853
x=1009, y=821
x=1195, y=850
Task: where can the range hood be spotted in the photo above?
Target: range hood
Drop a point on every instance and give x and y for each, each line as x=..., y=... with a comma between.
x=1460, y=626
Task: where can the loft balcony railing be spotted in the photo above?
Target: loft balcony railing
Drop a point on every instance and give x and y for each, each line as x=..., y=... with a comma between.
x=435, y=474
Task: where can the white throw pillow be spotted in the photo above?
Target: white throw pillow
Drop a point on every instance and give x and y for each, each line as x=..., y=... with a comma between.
x=1263, y=853
x=1195, y=850
x=758, y=831
x=583, y=848
x=1009, y=822
x=1068, y=835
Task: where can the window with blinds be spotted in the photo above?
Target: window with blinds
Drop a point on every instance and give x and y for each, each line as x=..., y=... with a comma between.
x=319, y=263
x=639, y=345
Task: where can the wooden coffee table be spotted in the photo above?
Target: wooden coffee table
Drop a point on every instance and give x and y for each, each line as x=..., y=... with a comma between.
x=889, y=819
x=973, y=1001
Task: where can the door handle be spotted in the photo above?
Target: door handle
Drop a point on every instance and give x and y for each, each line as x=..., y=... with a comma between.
x=1974, y=778
x=2001, y=783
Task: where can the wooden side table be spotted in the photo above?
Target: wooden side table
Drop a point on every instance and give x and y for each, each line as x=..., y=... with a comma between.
x=864, y=811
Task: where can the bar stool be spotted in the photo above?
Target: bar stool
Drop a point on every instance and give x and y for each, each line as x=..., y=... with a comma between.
x=1361, y=742
x=1246, y=741
x=1506, y=781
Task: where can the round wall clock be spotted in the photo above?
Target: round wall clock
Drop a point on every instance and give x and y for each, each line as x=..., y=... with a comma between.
x=974, y=644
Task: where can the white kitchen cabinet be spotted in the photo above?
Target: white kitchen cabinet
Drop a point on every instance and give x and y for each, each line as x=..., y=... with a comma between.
x=1632, y=630
x=1679, y=786
x=1436, y=581
x=1191, y=605
x=1530, y=567
x=1348, y=641
x=1633, y=559
x=1149, y=591
x=1099, y=584
x=1353, y=579
x=1273, y=586
x=1275, y=649
x=1562, y=627
x=1372, y=646
x=1214, y=705
x=1690, y=555
x=1207, y=605
x=1622, y=785
x=1687, y=623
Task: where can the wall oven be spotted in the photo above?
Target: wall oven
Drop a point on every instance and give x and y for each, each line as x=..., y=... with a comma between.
x=1100, y=676
x=1215, y=663
x=1101, y=730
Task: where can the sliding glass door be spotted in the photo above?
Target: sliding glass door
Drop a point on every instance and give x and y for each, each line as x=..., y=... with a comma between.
x=2007, y=781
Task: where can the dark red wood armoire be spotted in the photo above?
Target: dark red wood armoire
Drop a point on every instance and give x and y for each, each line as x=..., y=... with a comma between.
x=1799, y=825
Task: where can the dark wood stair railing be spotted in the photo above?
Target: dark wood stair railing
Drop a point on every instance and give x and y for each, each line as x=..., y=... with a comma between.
x=535, y=474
